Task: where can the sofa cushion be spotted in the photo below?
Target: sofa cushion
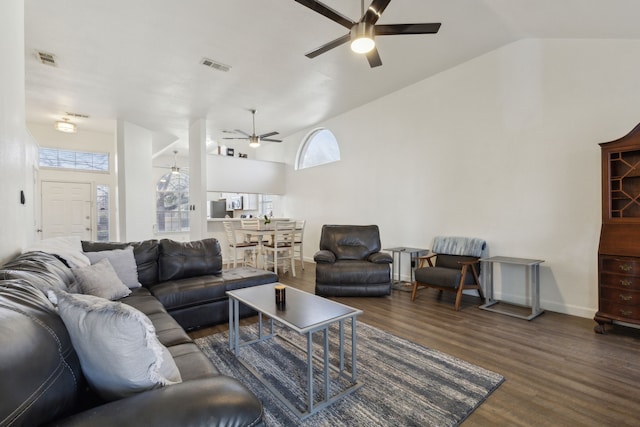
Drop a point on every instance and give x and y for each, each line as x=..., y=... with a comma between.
x=188, y=292
x=145, y=253
x=119, y=352
x=40, y=376
x=101, y=280
x=122, y=261
x=192, y=362
x=243, y=277
x=179, y=260
x=167, y=328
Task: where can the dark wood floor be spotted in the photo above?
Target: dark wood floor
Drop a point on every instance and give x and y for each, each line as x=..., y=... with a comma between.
x=558, y=371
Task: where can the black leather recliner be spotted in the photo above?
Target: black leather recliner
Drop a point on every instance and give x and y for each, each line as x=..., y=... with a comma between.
x=349, y=262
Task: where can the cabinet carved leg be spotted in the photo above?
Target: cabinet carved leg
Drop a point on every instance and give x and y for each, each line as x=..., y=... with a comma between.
x=600, y=328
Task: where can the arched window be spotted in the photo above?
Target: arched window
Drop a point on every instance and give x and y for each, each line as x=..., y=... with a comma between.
x=318, y=148
x=172, y=202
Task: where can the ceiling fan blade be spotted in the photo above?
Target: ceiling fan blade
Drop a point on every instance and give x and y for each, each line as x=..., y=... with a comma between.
x=232, y=137
x=267, y=135
x=242, y=132
x=372, y=14
x=374, y=58
x=326, y=11
x=393, y=29
x=270, y=140
x=328, y=46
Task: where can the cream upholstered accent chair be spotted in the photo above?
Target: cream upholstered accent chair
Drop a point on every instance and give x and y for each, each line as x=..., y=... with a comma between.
x=298, y=241
x=279, y=252
x=234, y=246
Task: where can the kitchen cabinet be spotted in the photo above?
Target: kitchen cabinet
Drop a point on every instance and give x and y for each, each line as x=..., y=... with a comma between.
x=250, y=202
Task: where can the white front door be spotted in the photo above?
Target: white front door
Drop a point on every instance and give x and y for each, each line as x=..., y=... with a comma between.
x=66, y=209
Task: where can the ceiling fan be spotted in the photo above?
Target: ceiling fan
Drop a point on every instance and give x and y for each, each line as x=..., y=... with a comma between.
x=175, y=169
x=254, y=140
x=363, y=32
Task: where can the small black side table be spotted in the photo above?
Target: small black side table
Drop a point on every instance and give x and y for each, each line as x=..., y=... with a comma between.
x=414, y=253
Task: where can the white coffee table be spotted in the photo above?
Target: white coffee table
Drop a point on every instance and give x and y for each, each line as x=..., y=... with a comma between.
x=306, y=314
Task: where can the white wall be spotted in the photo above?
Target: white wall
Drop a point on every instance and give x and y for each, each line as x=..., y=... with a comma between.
x=17, y=147
x=503, y=147
x=236, y=175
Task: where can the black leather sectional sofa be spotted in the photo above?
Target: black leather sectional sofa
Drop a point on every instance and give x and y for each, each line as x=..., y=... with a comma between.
x=41, y=379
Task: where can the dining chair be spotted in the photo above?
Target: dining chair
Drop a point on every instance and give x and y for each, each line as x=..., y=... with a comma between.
x=250, y=224
x=280, y=248
x=235, y=246
x=298, y=242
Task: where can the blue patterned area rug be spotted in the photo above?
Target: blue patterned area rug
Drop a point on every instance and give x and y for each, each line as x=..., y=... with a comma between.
x=405, y=384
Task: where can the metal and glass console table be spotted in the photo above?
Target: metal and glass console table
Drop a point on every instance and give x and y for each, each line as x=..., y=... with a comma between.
x=414, y=253
x=532, y=267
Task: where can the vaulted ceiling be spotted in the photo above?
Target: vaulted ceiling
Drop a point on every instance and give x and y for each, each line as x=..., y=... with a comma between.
x=140, y=60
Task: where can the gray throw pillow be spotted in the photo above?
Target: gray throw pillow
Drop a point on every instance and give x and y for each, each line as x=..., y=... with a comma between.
x=100, y=279
x=122, y=261
x=119, y=351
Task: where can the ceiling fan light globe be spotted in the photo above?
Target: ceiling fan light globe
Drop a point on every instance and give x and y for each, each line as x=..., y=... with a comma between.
x=254, y=142
x=362, y=38
x=362, y=45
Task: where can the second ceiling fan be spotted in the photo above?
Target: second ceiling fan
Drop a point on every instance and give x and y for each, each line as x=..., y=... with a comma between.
x=363, y=32
x=254, y=140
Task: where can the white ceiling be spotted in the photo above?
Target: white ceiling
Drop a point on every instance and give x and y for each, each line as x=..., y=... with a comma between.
x=139, y=60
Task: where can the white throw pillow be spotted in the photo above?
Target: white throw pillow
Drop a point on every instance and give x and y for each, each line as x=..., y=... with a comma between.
x=122, y=261
x=119, y=351
x=101, y=280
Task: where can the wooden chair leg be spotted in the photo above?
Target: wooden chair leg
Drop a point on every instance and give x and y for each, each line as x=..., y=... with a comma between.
x=414, y=291
x=458, y=298
x=463, y=276
x=477, y=280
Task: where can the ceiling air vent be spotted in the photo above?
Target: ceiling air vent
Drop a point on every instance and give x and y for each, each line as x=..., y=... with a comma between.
x=77, y=115
x=215, y=65
x=47, y=58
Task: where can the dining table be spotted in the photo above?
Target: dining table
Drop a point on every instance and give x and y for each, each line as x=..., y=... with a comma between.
x=262, y=233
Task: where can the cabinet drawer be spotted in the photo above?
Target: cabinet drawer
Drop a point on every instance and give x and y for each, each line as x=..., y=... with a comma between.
x=630, y=266
x=620, y=310
x=620, y=296
x=621, y=281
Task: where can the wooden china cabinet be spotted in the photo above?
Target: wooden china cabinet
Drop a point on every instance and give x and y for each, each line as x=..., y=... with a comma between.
x=619, y=249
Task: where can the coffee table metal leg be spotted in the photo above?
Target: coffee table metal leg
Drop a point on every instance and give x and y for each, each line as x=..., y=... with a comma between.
x=234, y=325
x=231, y=326
x=309, y=372
x=354, y=370
x=341, y=349
x=326, y=365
